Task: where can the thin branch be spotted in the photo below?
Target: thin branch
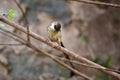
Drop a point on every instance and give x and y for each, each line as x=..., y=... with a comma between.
x=23, y=41
x=26, y=21
x=85, y=65
x=66, y=51
x=65, y=65
x=97, y=3
x=11, y=44
x=11, y=34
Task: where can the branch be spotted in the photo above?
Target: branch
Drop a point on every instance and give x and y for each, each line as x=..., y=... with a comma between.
x=30, y=45
x=11, y=34
x=66, y=51
x=85, y=65
x=9, y=44
x=26, y=21
x=97, y=3
x=12, y=44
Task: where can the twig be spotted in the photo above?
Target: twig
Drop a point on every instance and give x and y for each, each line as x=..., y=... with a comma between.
x=85, y=65
x=11, y=34
x=11, y=44
x=65, y=65
x=66, y=51
x=23, y=41
x=26, y=21
x=97, y=3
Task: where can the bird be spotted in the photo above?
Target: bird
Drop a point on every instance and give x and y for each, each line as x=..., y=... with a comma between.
x=54, y=34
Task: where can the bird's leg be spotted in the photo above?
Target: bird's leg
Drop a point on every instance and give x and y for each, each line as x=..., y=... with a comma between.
x=59, y=44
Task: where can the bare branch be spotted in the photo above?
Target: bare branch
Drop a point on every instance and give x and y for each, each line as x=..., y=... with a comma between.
x=23, y=41
x=12, y=44
x=9, y=44
x=11, y=33
x=26, y=21
x=97, y=3
x=66, y=51
x=85, y=65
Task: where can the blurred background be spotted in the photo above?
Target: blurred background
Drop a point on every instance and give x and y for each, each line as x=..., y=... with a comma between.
x=91, y=31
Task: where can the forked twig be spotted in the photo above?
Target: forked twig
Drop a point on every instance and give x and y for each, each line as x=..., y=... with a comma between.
x=26, y=21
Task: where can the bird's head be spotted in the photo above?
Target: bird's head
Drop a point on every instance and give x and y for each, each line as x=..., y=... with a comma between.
x=56, y=26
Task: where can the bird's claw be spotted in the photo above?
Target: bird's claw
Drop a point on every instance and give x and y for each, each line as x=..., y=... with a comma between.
x=47, y=40
x=59, y=46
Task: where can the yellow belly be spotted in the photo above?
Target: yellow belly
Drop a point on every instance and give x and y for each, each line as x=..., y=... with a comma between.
x=55, y=36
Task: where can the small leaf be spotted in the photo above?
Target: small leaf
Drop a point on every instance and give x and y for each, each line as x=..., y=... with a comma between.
x=11, y=12
x=96, y=60
x=107, y=61
x=84, y=38
x=10, y=17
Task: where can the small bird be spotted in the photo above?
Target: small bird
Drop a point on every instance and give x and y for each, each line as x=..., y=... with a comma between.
x=54, y=33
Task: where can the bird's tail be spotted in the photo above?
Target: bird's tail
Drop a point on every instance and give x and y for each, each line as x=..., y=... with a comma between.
x=67, y=57
x=62, y=44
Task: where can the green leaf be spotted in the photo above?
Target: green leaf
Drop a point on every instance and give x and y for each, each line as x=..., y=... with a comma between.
x=96, y=60
x=10, y=17
x=11, y=12
x=84, y=38
x=107, y=61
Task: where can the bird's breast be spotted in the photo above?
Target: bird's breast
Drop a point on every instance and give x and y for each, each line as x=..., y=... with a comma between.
x=54, y=36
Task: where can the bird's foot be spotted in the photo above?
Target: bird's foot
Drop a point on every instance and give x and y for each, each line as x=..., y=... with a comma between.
x=59, y=46
x=47, y=40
